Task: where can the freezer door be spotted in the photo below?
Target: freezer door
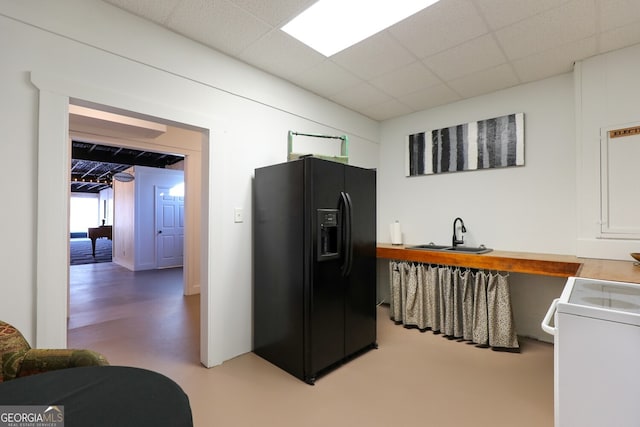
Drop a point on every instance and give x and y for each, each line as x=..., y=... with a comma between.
x=324, y=180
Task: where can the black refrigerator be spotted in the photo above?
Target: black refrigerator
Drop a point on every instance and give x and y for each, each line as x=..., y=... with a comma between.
x=314, y=258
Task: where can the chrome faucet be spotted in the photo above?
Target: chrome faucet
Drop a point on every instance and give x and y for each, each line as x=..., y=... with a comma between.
x=454, y=241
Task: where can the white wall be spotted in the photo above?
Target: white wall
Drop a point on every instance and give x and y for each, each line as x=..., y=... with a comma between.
x=90, y=50
x=550, y=205
x=530, y=208
x=135, y=222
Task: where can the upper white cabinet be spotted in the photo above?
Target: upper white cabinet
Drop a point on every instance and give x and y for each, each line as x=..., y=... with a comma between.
x=620, y=181
x=607, y=91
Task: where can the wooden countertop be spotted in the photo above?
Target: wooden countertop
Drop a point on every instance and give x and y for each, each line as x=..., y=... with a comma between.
x=520, y=262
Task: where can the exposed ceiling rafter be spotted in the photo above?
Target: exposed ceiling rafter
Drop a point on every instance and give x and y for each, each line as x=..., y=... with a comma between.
x=93, y=165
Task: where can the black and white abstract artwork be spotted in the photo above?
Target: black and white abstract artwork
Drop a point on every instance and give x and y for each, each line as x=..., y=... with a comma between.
x=485, y=144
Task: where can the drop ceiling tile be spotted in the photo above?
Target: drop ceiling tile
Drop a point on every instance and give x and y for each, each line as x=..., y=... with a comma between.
x=374, y=56
x=500, y=13
x=387, y=110
x=281, y=54
x=570, y=22
x=360, y=97
x=618, y=13
x=325, y=78
x=276, y=13
x=405, y=80
x=620, y=37
x=554, y=61
x=154, y=10
x=216, y=23
x=485, y=81
x=430, y=97
x=541, y=36
x=439, y=27
x=469, y=57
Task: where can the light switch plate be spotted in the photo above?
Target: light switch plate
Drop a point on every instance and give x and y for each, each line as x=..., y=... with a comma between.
x=238, y=215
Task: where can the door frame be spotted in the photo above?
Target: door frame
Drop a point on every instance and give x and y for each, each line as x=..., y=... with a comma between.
x=52, y=213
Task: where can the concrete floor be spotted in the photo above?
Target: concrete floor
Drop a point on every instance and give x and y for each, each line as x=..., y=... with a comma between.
x=141, y=319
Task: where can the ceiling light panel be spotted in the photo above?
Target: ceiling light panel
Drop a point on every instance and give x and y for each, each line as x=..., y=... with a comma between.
x=330, y=26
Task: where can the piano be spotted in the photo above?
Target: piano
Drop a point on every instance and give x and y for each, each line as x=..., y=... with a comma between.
x=98, y=232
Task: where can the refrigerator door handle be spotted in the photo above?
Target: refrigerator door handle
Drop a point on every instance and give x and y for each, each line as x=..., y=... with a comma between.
x=347, y=243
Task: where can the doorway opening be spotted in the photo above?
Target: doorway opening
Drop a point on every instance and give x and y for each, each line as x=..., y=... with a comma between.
x=56, y=94
x=140, y=145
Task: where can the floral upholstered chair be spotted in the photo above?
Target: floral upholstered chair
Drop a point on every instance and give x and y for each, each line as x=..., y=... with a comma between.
x=18, y=359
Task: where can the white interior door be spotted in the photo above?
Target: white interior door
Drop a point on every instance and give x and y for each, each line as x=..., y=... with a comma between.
x=169, y=229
